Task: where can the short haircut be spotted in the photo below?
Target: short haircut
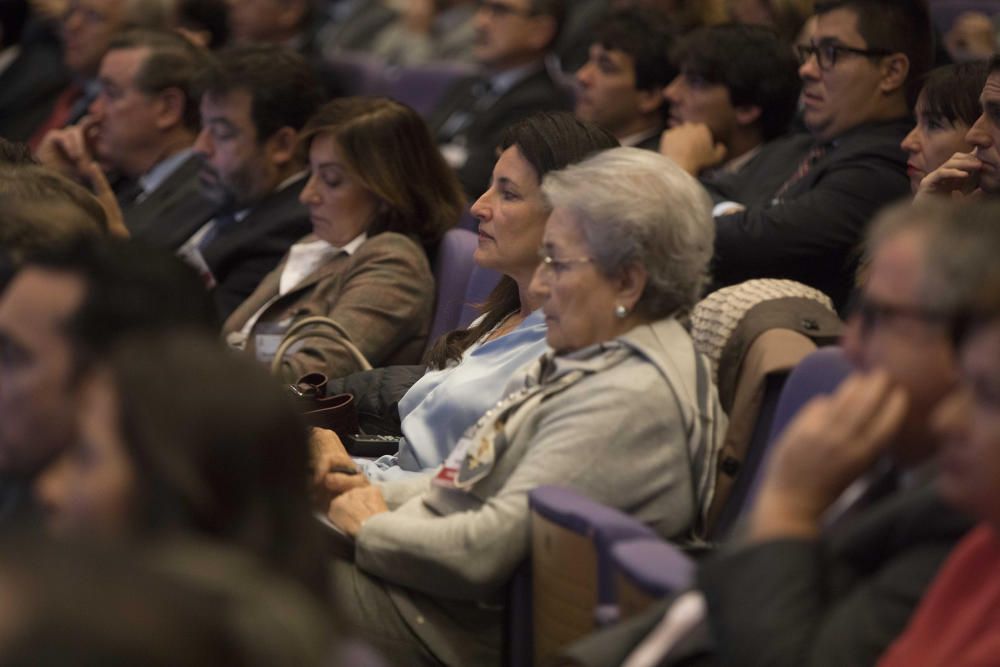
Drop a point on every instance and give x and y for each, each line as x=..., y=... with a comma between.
x=553, y=8
x=419, y=194
x=35, y=186
x=129, y=289
x=899, y=26
x=283, y=87
x=647, y=37
x=754, y=65
x=638, y=207
x=952, y=92
x=172, y=62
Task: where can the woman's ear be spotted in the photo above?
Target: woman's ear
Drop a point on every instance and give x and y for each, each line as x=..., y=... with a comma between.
x=631, y=284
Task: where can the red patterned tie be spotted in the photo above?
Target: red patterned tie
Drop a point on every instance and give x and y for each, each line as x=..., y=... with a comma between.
x=812, y=157
x=60, y=113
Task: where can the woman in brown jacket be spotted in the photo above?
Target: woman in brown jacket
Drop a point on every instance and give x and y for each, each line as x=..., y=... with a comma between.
x=379, y=195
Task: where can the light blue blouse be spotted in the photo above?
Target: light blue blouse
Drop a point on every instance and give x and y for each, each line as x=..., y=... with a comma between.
x=441, y=405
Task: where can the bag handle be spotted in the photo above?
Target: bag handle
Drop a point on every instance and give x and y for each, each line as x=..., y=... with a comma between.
x=338, y=335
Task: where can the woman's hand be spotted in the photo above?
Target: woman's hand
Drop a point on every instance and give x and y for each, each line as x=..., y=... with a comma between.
x=334, y=471
x=829, y=444
x=958, y=177
x=353, y=508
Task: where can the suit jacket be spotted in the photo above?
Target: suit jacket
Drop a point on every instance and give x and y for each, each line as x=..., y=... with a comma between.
x=383, y=295
x=536, y=92
x=243, y=253
x=173, y=211
x=837, y=601
x=812, y=232
x=29, y=88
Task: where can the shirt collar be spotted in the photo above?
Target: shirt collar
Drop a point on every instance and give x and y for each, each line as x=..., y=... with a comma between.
x=639, y=137
x=162, y=170
x=503, y=81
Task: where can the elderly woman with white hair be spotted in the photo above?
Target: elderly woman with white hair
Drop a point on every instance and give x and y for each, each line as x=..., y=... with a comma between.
x=621, y=409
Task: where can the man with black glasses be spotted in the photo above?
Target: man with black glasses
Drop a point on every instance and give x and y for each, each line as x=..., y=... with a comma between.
x=801, y=209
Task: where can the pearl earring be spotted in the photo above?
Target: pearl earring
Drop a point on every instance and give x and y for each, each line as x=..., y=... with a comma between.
x=621, y=312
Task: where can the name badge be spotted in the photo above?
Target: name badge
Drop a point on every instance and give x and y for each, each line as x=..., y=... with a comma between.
x=267, y=339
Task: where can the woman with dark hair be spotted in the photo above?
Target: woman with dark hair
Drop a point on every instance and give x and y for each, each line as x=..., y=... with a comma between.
x=947, y=107
x=469, y=368
x=180, y=439
x=379, y=196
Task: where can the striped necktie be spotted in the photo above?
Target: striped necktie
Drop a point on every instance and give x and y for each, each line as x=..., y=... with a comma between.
x=812, y=157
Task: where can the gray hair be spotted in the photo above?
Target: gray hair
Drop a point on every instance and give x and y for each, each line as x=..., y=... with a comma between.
x=636, y=206
x=962, y=243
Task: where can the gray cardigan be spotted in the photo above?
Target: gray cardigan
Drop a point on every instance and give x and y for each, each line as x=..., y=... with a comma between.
x=640, y=436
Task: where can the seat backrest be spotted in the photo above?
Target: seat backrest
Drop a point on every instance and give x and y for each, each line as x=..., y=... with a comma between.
x=765, y=367
x=422, y=87
x=754, y=333
x=354, y=74
x=818, y=374
x=481, y=283
x=453, y=266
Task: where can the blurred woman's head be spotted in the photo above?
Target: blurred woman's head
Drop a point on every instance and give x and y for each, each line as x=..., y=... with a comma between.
x=948, y=105
x=176, y=435
x=375, y=168
x=629, y=241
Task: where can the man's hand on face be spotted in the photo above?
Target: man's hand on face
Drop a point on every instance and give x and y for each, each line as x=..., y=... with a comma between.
x=68, y=151
x=692, y=147
x=830, y=443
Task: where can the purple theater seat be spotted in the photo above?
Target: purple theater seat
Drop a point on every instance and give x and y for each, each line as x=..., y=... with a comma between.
x=421, y=87
x=647, y=570
x=356, y=74
x=459, y=282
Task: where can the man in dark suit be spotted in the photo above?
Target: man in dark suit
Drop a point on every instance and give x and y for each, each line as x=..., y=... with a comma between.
x=737, y=89
x=31, y=73
x=142, y=126
x=805, y=201
x=512, y=40
x=86, y=30
x=620, y=85
x=818, y=582
x=256, y=101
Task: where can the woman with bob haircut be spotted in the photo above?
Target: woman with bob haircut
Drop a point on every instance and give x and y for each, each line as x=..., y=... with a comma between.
x=620, y=409
x=380, y=196
x=948, y=105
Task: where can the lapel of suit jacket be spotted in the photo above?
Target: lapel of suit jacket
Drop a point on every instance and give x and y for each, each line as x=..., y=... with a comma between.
x=273, y=212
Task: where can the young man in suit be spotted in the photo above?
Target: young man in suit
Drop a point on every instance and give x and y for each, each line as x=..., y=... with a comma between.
x=800, y=209
x=738, y=87
x=141, y=128
x=256, y=101
x=513, y=38
x=620, y=85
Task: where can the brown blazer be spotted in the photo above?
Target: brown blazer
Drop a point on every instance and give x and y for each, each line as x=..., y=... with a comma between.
x=383, y=295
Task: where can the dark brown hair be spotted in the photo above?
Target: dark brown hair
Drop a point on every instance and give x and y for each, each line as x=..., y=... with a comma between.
x=389, y=150
x=547, y=141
